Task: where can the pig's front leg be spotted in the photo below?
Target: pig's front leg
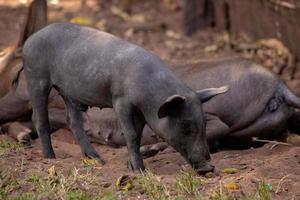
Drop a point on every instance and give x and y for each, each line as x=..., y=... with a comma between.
x=75, y=122
x=216, y=129
x=132, y=123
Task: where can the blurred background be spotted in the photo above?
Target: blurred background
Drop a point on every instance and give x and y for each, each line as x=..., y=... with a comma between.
x=267, y=31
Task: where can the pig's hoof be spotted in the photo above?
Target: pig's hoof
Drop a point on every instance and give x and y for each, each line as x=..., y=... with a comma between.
x=100, y=160
x=94, y=155
x=50, y=156
x=129, y=165
x=207, y=168
x=138, y=170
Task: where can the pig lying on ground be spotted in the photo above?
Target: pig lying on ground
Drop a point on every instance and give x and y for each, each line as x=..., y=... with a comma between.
x=258, y=103
x=92, y=68
x=14, y=103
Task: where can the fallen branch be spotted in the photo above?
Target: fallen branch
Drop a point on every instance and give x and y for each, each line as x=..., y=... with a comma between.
x=284, y=4
x=270, y=141
x=280, y=183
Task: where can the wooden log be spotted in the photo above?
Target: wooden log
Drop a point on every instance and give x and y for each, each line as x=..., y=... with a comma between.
x=264, y=19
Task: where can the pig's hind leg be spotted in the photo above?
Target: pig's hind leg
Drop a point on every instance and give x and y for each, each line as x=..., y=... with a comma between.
x=75, y=122
x=132, y=123
x=39, y=91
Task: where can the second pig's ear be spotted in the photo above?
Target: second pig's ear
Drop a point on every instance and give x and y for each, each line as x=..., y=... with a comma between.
x=206, y=94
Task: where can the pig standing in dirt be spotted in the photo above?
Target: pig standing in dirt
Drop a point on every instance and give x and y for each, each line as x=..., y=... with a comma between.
x=92, y=68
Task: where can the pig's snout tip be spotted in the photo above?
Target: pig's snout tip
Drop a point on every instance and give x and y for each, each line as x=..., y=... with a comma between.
x=206, y=168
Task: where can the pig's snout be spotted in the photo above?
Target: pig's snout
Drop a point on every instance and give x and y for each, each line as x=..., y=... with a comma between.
x=205, y=168
x=199, y=159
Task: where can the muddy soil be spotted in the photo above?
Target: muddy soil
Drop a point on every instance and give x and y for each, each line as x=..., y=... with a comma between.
x=155, y=25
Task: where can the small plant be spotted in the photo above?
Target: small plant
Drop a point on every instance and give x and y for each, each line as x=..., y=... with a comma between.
x=106, y=196
x=7, y=185
x=41, y=185
x=264, y=191
x=77, y=195
x=188, y=182
x=153, y=186
x=217, y=195
x=7, y=145
x=25, y=196
x=222, y=195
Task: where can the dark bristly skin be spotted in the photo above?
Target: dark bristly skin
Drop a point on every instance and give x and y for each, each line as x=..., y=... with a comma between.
x=93, y=68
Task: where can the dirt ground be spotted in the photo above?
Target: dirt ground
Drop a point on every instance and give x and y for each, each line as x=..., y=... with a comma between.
x=156, y=25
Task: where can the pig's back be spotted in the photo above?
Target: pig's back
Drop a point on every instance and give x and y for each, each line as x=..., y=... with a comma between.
x=76, y=58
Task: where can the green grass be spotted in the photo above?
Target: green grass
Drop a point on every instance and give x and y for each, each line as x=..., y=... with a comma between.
x=187, y=182
x=106, y=196
x=85, y=184
x=25, y=196
x=8, y=145
x=8, y=184
x=264, y=191
x=77, y=195
x=75, y=185
x=154, y=188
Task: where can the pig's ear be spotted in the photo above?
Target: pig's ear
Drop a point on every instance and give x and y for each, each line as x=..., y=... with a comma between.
x=206, y=94
x=171, y=105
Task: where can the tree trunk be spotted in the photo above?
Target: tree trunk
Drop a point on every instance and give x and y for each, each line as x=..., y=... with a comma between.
x=36, y=19
x=197, y=14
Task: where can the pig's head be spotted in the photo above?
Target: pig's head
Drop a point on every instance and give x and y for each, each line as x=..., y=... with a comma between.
x=182, y=122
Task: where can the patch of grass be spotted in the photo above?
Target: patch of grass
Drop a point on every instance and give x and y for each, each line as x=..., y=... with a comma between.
x=153, y=186
x=40, y=186
x=217, y=195
x=187, y=182
x=25, y=196
x=77, y=195
x=7, y=146
x=10, y=145
x=7, y=185
x=71, y=186
x=264, y=191
x=221, y=194
x=106, y=196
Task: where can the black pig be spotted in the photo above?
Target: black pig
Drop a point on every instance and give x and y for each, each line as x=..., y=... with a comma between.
x=93, y=68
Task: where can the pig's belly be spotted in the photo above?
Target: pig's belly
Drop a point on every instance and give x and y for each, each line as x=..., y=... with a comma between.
x=87, y=93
